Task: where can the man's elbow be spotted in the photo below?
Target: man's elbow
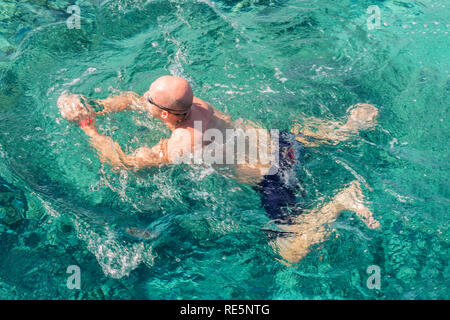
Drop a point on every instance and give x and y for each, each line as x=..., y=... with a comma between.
x=136, y=163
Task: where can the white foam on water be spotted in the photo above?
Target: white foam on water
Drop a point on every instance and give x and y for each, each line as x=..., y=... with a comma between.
x=116, y=259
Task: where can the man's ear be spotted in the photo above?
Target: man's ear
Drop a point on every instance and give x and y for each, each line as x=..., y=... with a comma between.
x=164, y=114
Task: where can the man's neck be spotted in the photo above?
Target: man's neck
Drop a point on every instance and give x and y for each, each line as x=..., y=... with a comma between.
x=172, y=125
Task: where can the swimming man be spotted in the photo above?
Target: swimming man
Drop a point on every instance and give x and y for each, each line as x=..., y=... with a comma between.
x=171, y=100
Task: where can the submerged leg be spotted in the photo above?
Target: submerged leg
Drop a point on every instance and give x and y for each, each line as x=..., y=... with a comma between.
x=310, y=228
x=361, y=117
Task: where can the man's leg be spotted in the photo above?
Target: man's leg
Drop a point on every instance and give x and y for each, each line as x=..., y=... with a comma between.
x=311, y=228
x=362, y=116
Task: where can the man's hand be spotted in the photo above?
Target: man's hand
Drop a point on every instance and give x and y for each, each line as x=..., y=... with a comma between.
x=73, y=109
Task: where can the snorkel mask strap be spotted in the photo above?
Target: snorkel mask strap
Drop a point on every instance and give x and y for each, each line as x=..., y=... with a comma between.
x=184, y=118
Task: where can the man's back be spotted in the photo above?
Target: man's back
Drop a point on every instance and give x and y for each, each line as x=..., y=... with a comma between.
x=195, y=134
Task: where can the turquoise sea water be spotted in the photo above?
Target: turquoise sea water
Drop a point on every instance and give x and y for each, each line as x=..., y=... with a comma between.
x=269, y=61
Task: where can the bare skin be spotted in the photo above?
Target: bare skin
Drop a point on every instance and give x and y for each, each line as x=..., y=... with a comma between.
x=362, y=117
x=175, y=94
x=312, y=228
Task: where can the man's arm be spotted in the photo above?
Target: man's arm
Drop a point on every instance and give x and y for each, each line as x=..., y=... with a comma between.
x=73, y=110
x=127, y=100
x=110, y=151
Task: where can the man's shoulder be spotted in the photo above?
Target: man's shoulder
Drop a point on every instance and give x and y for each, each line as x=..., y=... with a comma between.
x=200, y=102
x=180, y=137
x=179, y=132
x=179, y=144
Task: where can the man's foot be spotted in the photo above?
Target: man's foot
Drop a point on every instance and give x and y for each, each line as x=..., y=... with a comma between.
x=352, y=198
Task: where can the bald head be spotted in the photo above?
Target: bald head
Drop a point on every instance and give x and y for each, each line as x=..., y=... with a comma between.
x=172, y=92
